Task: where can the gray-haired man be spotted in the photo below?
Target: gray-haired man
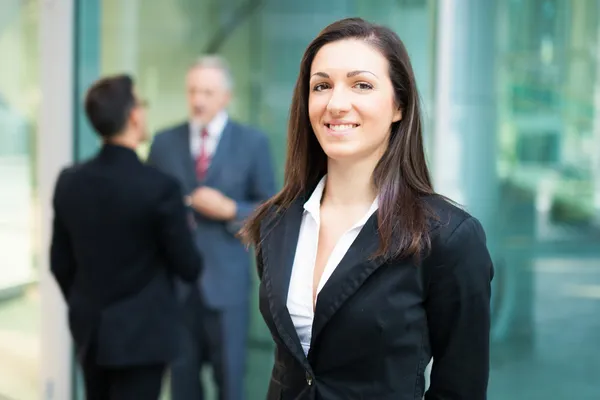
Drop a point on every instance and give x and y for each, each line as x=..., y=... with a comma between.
x=225, y=169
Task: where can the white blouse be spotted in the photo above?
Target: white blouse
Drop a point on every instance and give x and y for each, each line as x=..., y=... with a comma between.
x=300, y=292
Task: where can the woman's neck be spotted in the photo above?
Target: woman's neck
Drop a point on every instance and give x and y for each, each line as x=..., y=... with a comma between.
x=349, y=184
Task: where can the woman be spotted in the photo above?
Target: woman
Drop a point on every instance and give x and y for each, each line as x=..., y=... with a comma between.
x=365, y=272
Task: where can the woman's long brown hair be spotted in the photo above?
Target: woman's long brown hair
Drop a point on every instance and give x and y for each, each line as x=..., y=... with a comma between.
x=401, y=177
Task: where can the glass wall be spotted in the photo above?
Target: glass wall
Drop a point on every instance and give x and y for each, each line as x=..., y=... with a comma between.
x=263, y=41
x=525, y=86
x=546, y=332
x=19, y=102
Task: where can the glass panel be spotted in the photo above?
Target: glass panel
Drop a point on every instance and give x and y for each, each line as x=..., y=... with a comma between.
x=19, y=100
x=157, y=41
x=547, y=284
x=87, y=55
x=547, y=287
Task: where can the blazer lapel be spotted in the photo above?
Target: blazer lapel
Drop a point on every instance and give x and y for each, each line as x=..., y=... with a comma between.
x=222, y=152
x=278, y=250
x=349, y=275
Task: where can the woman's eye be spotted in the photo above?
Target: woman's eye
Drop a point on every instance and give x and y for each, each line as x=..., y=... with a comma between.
x=363, y=86
x=320, y=87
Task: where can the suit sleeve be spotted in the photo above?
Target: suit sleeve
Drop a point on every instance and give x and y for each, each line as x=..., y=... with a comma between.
x=62, y=259
x=175, y=234
x=458, y=314
x=154, y=157
x=262, y=181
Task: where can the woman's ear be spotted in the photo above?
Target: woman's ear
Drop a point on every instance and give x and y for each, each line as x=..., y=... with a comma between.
x=397, y=115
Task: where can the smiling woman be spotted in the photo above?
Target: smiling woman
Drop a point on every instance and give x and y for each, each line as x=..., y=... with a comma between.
x=351, y=110
x=366, y=273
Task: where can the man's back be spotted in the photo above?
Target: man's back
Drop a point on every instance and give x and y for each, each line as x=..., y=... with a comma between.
x=120, y=233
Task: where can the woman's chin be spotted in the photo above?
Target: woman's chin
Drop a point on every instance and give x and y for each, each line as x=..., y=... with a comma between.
x=341, y=151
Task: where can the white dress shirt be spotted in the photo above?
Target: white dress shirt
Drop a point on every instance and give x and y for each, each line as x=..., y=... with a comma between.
x=300, y=292
x=215, y=130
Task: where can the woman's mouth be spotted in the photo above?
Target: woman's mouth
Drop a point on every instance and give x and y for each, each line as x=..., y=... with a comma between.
x=340, y=129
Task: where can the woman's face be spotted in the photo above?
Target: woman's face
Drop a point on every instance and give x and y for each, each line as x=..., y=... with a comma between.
x=351, y=102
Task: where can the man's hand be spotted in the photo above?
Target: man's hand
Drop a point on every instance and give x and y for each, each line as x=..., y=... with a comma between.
x=213, y=204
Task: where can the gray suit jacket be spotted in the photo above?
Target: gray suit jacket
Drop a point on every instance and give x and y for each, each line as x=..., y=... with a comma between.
x=240, y=168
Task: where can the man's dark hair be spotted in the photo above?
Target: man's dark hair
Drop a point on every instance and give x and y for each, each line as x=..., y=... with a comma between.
x=108, y=103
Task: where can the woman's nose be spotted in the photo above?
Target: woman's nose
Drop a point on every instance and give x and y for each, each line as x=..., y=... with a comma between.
x=339, y=102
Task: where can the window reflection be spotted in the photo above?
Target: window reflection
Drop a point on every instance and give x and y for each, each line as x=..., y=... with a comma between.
x=19, y=101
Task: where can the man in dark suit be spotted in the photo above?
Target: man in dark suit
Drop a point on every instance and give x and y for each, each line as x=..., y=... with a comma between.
x=225, y=169
x=120, y=234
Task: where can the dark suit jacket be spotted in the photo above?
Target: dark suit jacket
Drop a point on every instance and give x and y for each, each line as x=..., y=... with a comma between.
x=120, y=234
x=376, y=324
x=240, y=168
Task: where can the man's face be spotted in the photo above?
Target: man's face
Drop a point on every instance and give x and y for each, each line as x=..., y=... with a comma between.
x=207, y=93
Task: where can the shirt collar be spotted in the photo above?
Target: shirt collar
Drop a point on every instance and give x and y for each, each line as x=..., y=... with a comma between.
x=313, y=205
x=215, y=127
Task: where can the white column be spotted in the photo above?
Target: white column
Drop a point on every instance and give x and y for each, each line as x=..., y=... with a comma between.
x=596, y=137
x=55, y=144
x=465, y=161
x=465, y=134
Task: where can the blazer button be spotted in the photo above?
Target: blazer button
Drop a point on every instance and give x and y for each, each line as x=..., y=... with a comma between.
x=309, y=379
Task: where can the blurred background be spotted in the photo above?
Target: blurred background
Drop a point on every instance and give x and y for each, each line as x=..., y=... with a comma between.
x=511, y=93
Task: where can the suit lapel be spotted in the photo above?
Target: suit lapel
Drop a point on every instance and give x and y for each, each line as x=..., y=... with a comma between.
x=279, y=249
x=222, y=152
x=349, y=275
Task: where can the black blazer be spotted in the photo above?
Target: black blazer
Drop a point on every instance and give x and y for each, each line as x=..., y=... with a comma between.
x=377, y=325
x=120, y=232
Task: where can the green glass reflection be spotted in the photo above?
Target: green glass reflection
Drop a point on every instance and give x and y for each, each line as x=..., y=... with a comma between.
x=19, y=204
x=546, y=290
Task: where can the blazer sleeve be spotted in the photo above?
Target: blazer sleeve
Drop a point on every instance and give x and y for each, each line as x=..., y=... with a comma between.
x=155, y=154
x=458, y=314
x=175, y=234
x=262, y=183
x=260, y=266
x=62, y=259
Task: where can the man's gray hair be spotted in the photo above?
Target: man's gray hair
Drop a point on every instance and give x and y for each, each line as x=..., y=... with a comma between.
x=217, y=62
